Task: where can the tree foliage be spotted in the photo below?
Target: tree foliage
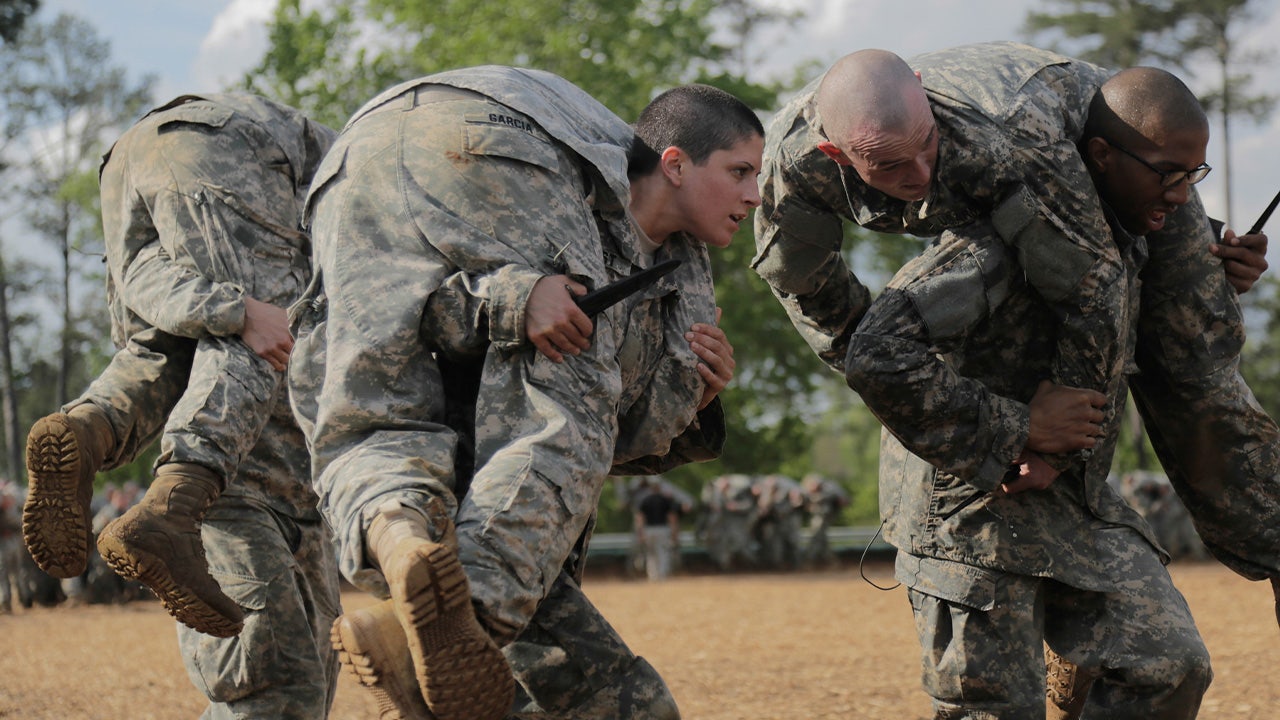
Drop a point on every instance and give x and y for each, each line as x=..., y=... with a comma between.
x=13, y=17
x=61, y=101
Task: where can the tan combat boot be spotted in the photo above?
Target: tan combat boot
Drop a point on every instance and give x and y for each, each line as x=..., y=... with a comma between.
x=372, y=645
x=461, y=673
x=64, y=452
x=1067, y=687
x=157, y=542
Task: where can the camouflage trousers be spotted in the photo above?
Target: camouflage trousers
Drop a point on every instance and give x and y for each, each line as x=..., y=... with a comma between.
x=571, y=663
x=983, y=645
x=208, y=399
x=11, y=571
x=283, y=573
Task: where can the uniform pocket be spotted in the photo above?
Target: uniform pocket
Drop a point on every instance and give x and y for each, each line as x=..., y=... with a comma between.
x=228, y=669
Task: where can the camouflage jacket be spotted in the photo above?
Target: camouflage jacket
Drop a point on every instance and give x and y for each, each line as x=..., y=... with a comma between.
x=180, y=279
x=1008, y=117
x=948, y=358
x=480, y=299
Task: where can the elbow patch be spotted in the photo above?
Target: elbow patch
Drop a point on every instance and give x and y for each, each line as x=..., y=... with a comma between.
x=1054, y=265
x=970, y=277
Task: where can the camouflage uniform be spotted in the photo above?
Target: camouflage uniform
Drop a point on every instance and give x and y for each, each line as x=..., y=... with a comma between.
x=823, y=501
x=11, y=549
x=948, y=358
x=728, y=515
x=1008, y=117
x=441, y=204
x=201, y=207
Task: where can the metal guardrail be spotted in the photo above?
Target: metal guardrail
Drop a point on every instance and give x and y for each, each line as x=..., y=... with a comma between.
x=844, y=539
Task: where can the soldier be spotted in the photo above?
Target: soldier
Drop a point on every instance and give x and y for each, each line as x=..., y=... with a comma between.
x=989, y=130
x=10, y=549
x=776, y=528
x=201, y=205
x=729, y=513
x=823, y=501
x=461, y=214
x=1001, y=552
x=1153, y=496
x=656, y=518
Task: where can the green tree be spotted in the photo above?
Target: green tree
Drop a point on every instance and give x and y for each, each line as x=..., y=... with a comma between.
x=1110, y=33
x=1210, y=29
x=80, y=100
x=13, y=17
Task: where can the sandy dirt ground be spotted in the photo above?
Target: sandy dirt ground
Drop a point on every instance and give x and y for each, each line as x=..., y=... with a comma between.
x=813, y=645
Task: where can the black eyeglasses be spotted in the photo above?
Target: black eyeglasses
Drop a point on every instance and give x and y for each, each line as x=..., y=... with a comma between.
x=1168, y=178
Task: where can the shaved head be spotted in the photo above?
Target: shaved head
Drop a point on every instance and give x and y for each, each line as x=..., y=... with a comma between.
x=867, y=93
x=876, y=117
x=1143, y=105
x=1145, y=136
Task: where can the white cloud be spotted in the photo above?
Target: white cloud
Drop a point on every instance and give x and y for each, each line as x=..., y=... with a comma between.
x=236, y=41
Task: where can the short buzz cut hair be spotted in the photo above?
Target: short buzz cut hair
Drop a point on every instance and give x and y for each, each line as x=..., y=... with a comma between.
x=698, y=119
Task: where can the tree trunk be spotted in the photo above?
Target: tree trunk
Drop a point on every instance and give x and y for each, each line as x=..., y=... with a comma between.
x=64, y=354
x=8, y=397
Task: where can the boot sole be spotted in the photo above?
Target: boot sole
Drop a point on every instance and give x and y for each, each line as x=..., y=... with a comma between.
x=185, y=606
x=55, y=520
x=373, y=663
x=461, y=672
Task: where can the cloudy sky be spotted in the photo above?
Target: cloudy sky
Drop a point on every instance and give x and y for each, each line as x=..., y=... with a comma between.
x=200, y=45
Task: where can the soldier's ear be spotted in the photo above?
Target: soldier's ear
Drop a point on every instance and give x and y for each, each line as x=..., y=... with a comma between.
x=829, y=149
x=672, y=162
x=1098, y=154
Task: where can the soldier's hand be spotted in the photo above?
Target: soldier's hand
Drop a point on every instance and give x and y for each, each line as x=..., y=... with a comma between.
x=266, y=332
x=711, y=345
x=1064, y=419
x=1033, y=474
x=1244, y=257
x=552, y=320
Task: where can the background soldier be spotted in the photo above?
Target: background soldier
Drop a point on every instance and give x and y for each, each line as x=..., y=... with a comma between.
x=776, y=528
x=728, y=515
x=824, y=499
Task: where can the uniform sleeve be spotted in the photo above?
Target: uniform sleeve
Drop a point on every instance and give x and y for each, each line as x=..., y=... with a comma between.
x=178, y=300
x=798, y=255
x=468, y=312
x=953, y=422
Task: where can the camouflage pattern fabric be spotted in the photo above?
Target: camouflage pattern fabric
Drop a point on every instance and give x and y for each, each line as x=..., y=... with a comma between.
x=201, y=207
x=947, y=358
x=983, y=632
x=441, y=204
x=571, y=663
x=193, y=223
x=1219, y=447
x=1007, y=119
x=1222, y=457
x=282, y=572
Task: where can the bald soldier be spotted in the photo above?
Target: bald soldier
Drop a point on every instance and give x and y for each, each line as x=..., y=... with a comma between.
x=952, y=358
x=990, y=131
